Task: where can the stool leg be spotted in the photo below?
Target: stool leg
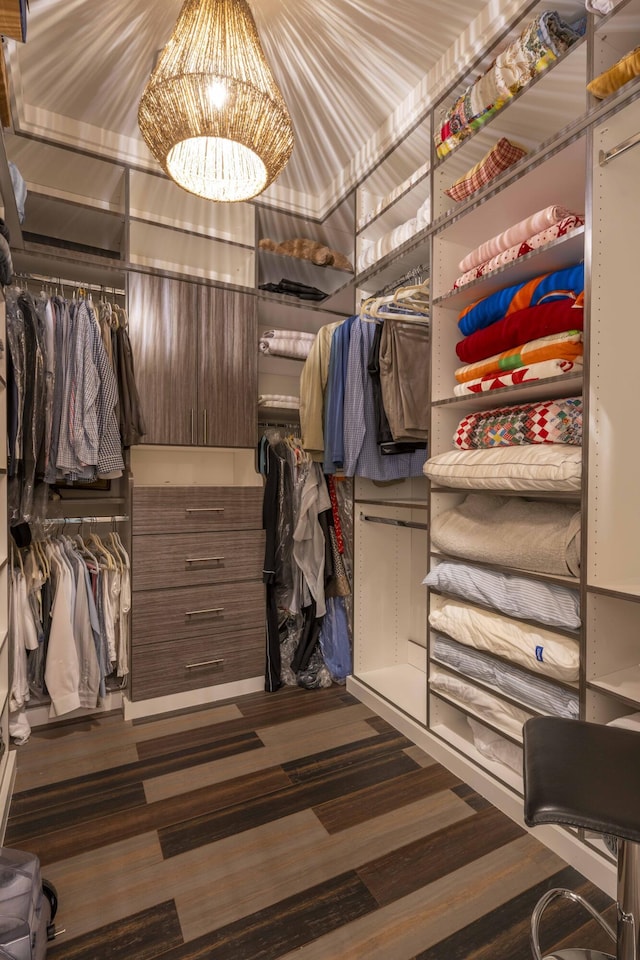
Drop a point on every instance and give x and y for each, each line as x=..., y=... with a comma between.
x=579, y=954
x=628, y=900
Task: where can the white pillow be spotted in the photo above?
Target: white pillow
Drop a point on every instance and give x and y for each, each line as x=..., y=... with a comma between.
x=536, y=466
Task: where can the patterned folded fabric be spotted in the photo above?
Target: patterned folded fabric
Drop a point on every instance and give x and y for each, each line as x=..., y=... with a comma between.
x=542, y=41
x=616, y=76
x=501, y=156
x=540, y=239
x=536, y=371
x=559, y=285
x=522, y=326
x=514, y=235
x=558, y=346
x=551, y=421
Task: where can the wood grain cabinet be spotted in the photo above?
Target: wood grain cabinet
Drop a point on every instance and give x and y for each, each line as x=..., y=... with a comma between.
x=198, y=598
x=196, y=362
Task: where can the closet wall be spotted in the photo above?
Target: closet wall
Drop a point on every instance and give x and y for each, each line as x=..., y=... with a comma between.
x=568, y=135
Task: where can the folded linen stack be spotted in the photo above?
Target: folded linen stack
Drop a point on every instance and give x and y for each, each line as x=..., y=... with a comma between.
x=530, y=331
x=529, y=234
x=373, y=252
x=279, y=400
x=543, y=40
x=286, y=343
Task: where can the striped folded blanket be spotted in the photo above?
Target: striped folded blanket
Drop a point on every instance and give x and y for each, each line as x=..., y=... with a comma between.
x=567, y=283
x=550, y=421
x=513, y=235
x=531, y=323
x=558, y=346
x=536, y=371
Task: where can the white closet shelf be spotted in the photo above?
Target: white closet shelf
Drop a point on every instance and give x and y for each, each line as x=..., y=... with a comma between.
x=563, y=496
x=618, y=591
x=400, y=684
x=404, y=258
x=461, y=739
x=402, y=203
x=563, y=252
x=624, y=684
x=409, y=504
x=471, y=711
x=566, y=385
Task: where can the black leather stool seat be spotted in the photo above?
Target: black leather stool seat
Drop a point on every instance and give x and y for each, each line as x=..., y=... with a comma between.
x=582, y=775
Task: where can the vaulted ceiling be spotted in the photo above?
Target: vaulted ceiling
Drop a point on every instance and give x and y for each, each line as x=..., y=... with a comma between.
x=345, y=67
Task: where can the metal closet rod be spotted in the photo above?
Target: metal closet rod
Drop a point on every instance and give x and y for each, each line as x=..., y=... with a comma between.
x=394, y=523
x=605, y=157
x=76, y=284
x=54, y=520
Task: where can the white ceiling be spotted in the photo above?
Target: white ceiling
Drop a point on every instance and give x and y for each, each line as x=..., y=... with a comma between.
x=344, y=67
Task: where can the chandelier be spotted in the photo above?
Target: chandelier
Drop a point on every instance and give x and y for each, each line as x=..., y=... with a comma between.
x=211, y=112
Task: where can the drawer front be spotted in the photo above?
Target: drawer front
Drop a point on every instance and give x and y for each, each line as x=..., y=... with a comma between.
x=189, y=559
x=217, y=612
x=161, y=669
x=196, y=509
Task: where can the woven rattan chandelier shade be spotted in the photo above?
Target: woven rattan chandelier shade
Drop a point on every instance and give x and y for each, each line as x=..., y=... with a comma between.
x=211, y=112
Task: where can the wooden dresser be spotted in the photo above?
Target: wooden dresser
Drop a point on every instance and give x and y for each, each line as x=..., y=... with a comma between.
x=198, y=598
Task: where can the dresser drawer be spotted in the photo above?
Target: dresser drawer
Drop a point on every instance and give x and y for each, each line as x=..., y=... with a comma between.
x=196, y=509
x=188, y=559
x=215, y=611
x=160, y=669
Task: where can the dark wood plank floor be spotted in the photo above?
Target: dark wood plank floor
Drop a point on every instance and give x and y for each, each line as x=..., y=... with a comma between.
x=295, y=824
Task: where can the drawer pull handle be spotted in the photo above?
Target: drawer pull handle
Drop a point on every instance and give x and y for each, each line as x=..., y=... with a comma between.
x=204, y=560
x=203, y=663
x=205, y=510
x=201, y=613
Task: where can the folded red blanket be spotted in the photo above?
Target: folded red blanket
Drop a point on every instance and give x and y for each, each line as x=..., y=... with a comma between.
x=527, y=324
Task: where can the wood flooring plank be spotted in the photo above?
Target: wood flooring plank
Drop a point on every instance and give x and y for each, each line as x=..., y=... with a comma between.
x=51, y=767
x=470, y=796
x=252, y=870
x=292, y=703
x=21, y=827
x=281, y=734
x=504, y=931
x=143, y=936
x=294, y=746
x=344, y=812
x=176, y=813
x=290, y=923
x=319, y=765
x=238, y=725
x=421, y=758
x=207, y=828
x=94, y=783
x=96, y=887
x=404, y=927
x=416, y=865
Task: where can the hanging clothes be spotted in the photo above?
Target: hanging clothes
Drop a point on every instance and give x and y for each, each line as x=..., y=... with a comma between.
x=69, y=607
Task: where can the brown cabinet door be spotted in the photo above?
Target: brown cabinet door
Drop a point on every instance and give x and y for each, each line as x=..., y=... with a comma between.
x=228, y=368
x=163, y=321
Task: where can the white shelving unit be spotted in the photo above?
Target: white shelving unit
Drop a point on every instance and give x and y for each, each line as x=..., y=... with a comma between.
x=564, y=129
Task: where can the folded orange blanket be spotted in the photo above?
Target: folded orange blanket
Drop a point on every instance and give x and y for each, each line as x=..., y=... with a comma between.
x=558, y=346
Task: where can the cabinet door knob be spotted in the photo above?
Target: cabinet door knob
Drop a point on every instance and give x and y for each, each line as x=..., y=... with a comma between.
x=203, y=663
x=202, y=613
x=204, y=560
